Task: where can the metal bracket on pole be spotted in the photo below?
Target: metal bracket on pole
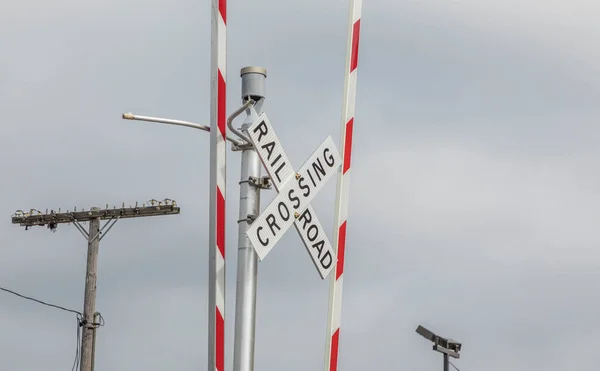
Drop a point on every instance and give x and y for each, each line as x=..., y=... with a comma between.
x=240, y=147
x=249, y=219
x=247, y=143
x=261, y=183
x=100, y=233
x=81, y=230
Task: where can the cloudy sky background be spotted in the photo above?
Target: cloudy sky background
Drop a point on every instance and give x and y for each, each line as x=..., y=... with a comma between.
x=475, y=192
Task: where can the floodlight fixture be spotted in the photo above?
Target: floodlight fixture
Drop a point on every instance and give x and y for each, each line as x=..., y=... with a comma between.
x=448, y=347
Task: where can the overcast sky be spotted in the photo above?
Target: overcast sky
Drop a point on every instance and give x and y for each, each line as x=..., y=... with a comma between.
x=475, y=193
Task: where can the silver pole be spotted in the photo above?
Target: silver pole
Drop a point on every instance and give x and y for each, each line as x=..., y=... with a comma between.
x=253, y=81
x=89, y=304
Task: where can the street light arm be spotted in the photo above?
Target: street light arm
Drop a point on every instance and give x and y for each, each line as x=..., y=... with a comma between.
x=131, y=116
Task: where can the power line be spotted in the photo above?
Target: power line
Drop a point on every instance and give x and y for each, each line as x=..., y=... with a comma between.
x=452, y=364
x=78, y=345
x=79, y=321
x=40, y=302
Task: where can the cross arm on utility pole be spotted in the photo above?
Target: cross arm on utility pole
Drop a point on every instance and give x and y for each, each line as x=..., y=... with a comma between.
x=52, y=218
x=37, y=218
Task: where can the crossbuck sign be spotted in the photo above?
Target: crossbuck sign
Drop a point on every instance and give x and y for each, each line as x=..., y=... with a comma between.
x=295, y=192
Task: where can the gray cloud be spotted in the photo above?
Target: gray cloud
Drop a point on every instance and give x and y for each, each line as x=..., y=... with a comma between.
x=473, y=185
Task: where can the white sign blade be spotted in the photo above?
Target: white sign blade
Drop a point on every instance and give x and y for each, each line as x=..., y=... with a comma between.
x=316, y=242
x=280, y=170
x=294, y=198
x=270, y=151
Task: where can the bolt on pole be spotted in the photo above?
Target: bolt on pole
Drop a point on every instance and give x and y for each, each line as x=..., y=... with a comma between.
x=253, y=88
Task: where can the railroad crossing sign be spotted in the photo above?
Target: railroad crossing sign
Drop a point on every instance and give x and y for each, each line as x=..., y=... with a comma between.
x=295, y=192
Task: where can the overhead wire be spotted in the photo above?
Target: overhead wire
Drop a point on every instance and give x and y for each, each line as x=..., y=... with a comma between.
x=80, y=322
x=41, y=302
x=452, y=364
x=77, y=345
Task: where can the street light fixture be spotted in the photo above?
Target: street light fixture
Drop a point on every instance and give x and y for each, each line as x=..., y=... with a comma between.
x=447, y=347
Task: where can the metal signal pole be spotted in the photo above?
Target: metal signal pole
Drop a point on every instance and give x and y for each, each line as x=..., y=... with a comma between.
x=253, y=89
x=95, y=234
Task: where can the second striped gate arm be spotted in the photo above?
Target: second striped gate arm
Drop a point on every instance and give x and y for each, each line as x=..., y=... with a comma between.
x=218, y=150
x=343, y=189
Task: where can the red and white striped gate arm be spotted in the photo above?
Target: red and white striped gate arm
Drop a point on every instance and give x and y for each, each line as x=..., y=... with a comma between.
x=218, y=150
x=343, y=189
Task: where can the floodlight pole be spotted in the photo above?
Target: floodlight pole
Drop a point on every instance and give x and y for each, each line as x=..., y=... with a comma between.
x=52, y=219
x=448, y=347
x=253, y=89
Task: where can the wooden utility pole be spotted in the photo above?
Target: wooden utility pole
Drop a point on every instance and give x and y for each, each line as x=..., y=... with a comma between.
x=89, y=301
x=91, y=319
